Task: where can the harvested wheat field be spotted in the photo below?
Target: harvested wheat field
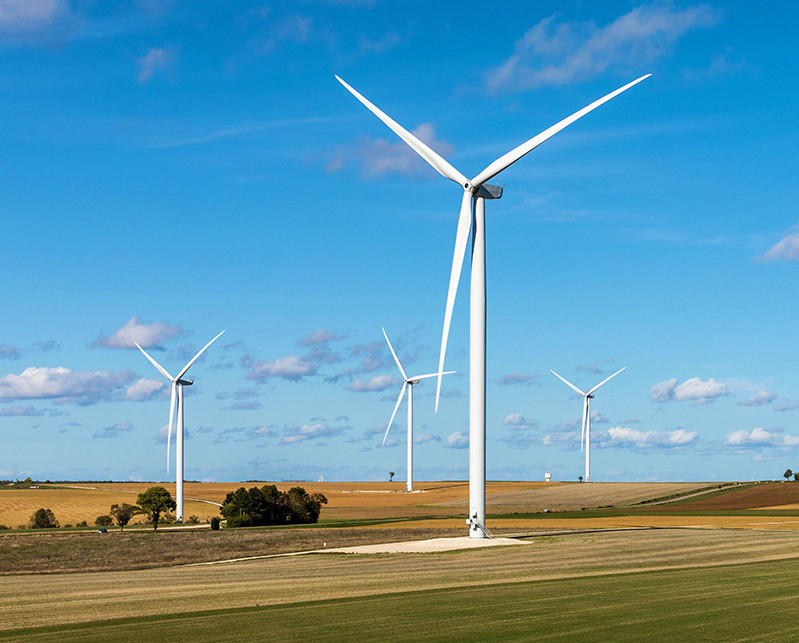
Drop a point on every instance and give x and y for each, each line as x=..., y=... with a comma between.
x=73, y=505
x=75, y=598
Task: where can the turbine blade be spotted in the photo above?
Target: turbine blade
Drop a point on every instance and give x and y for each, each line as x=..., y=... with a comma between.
x=396, y=359
x=160, y=368
x=567, y=382
x=169, y=429
x=434, y=159
x=424, y=377
x=194, y=359
x=606, y=380
x=461, y=239
x=396, y=406
x=514, y=155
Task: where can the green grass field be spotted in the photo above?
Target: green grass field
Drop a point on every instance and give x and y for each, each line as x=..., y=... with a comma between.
x=754, y=601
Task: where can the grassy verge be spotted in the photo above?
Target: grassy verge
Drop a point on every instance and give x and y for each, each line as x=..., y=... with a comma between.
x=731, y=602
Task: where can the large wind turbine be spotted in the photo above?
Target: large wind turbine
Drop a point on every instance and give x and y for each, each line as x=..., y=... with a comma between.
x=472, y=218
x=585, y=433
x=177, y=391
x=408, y=383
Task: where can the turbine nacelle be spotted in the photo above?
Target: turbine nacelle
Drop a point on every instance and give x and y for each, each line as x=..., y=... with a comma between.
x=185, y=382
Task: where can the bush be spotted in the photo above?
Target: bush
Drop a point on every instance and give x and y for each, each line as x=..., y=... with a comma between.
x=193, y=520
x=268, y=506
x=4, y=527
x=43, y=519
x=104, y=521
x=82, y=523
x=215, y=523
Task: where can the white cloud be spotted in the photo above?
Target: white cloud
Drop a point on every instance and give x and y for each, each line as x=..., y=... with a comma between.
x=20, y=411
x=146, y=335
x=518, y=420
x=457, y=440
x=553, y=53
x=63, y=385
x=380, y=157
x=377, y=383
x=760, y=437
x=113, y=431
x=759, y=399
x=695, y=389
x=426, y=437
x=144, y=389
x=293, y=433
x=154, y=61
x=291, y=368
x=623, y=436
x=786, y=249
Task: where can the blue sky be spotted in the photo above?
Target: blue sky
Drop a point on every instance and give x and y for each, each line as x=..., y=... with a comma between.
x=170, y=170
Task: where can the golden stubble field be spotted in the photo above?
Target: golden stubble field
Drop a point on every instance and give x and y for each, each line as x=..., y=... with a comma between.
x=74, y=598
x=375, y=500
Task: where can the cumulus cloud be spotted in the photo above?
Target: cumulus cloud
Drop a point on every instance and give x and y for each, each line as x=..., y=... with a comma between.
x=557, y=53
x=144, y=389
x=292, y=368
x=380, y=157
x=63, y=385
x=759, y=399
x=244, y=434
x=134, y=331
x=760, y=437
x=520, y=435
x=695, y=389
x=518, y=420
x=519, y=378
x=155, y=60
x=113, y=431
x=786, y=249
x=293, y=433
x=624, y=436
x=426, y=437
x=9, y=352
x=377, y=383
x=457, y=440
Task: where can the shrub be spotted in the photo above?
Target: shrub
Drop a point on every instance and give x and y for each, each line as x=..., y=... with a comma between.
x=4, y=527
x=104, y=521
x=82, y=523
x=193, y=520
x=43, y=519
x=215, y=523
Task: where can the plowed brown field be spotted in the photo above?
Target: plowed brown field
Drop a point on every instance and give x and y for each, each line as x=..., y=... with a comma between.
x=773, y=495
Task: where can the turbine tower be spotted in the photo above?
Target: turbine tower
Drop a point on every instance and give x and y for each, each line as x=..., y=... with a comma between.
x=472, y=218
x=408, y=383
x=585, y=432
x=177, y=391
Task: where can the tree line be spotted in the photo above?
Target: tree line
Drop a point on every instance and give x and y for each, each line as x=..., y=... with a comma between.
x=268, y=506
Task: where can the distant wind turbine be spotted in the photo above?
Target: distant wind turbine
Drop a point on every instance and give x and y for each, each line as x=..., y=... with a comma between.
x=177, y=391
x=472, y=218
x=585, y=433
x=408, y=383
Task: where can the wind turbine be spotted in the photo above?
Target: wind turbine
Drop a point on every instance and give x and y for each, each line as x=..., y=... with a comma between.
x=585, y=433
x=177, y=391
x=407, y=384
x=472, y=218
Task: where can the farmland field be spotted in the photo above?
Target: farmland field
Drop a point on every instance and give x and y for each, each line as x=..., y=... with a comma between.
x=727, y=558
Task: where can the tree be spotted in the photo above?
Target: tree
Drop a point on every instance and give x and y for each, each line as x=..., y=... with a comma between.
x=268, y=506
x=215, y=523
x=43, y=519
x=796, y=477
x=788, y=473
x=155, y=501
x=580, y=478
x=390, y=476
x=123, y=513
x=103, y=521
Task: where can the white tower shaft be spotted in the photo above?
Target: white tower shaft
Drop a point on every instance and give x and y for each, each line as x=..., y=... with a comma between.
x=409, y=484
x=588, y=439
x=179, y=459
x=477, y=376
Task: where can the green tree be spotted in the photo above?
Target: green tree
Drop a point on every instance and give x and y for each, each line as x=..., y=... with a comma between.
x=43, y=519
x=123, y=513
x=268, y=506
x=155, y=501
x=390, y=476
x=788, y=473
x=103, y=521
x=215, y=523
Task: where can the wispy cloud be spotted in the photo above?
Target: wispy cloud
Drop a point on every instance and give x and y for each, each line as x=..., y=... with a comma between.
x=379, y=157
x=557, y=53
x=320, y=336
x=760, y=437
x=519, y=378
x=376, y=383
x=134, y=331
x=292, y=368
x=293, y=433
x=9, y=352
x=113, y=431
x=786, y=249
x=156, y=61
x=759, y=399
